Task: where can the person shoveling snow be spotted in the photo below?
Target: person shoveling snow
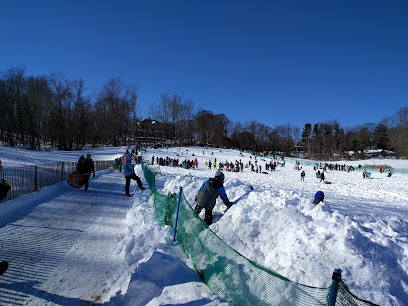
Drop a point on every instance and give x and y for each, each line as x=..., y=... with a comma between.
x=208, y=194
x=319, y=197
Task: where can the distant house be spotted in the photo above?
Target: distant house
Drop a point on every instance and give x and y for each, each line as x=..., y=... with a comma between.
x=149, y=131
x=149, y=127
x=380, y=153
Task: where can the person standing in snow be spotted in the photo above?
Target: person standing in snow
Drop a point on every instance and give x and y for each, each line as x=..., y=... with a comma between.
x=88, y=167
x=302, y=176
x=208, y=194
x=129, y=171
x=80, y=166
x=322, y=177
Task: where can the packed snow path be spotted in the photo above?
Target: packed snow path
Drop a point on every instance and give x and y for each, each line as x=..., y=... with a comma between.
x=80, y=248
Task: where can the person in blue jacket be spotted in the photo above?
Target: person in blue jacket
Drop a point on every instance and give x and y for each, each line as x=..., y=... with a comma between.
x=129, y=171
x=319, y=197
x=208, y=194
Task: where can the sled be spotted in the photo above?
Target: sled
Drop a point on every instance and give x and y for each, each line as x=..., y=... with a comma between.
x=327, y=182
x=75, y=180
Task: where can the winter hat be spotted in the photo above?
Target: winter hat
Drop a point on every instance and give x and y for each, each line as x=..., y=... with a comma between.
x=220, y=175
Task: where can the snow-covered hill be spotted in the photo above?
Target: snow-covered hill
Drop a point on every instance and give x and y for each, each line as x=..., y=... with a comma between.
x=66, y=246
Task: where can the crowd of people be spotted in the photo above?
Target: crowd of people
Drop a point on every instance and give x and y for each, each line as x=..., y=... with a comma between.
x=175, y=162
x=230, y=166
x=336, y=167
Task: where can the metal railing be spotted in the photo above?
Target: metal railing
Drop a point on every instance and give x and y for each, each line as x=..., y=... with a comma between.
x=31, y=178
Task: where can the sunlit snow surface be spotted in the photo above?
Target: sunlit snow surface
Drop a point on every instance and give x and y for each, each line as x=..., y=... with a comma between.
x=66, y=246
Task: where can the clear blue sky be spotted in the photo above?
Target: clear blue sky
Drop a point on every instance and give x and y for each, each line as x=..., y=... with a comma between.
x=275, y=62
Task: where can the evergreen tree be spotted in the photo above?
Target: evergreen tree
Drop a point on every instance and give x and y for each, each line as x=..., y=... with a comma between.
x=307, y=130
x=381, y=137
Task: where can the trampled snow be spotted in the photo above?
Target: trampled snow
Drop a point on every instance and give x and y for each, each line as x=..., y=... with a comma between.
x=67, y=247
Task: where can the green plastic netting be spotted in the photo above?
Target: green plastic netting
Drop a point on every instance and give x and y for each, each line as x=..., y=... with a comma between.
x=345, y=297
x=226, y=272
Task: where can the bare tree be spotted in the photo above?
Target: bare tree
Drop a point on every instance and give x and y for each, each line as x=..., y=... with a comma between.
x=12, y=104
x=286, y=141
x=60, y=111
x=219, y=128
x=184, y=125
x=296, y=136
x=262, y=136
x=188, y=114
x=83, y=124
x=113, y=111
x=203, y=126
x=236, y=129
x=38, y=97
x=131, y=94
x=399, y=133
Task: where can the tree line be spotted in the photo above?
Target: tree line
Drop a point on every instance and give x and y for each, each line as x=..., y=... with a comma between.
x=53, y=111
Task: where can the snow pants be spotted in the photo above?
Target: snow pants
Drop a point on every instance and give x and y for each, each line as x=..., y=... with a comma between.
x=132, y=177
x=208, y=214
x=86, y=181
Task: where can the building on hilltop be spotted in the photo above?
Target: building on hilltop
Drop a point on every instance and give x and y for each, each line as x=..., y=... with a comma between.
x=150, y=131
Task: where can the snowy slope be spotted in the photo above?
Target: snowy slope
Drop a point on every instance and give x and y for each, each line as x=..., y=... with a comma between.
x=66, y=246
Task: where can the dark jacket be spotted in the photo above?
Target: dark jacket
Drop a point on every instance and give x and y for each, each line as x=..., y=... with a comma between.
x=209, y=192
x=80, y=166
x=88, y=166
